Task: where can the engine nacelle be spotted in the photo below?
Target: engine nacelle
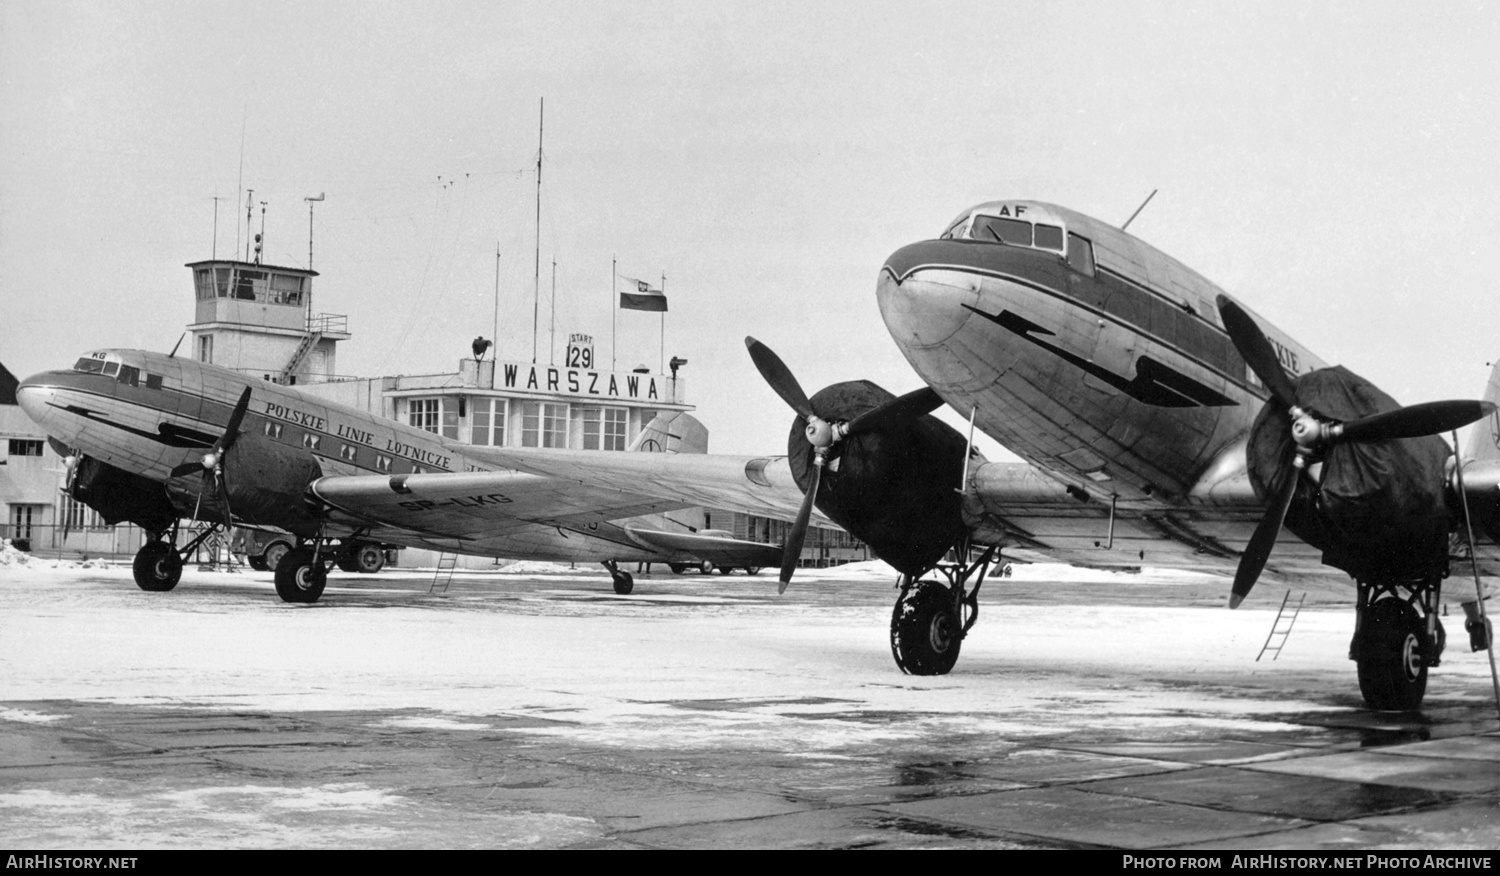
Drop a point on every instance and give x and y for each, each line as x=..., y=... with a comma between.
x=895, y=489
x=1379, y=510
x=268, y=484
x=120, y=495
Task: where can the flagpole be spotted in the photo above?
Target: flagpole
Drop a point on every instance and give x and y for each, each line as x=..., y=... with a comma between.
x=614, y=306
x=552, y=344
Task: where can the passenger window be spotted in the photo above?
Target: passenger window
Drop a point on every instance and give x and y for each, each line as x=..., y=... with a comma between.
x=1081, y=255
x=129, y=375
x=1049, y=237
x=153, y=381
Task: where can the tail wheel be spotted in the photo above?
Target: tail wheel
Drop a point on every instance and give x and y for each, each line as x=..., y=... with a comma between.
x=298, y=578
x=1391, y=659
x=926, y=631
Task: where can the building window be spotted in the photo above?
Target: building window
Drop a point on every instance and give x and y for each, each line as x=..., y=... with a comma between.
x=206, y=348
x=77, y=515
x=544, y=424
x=488, y=423
x=25, y=447
x=604, y=428
x=22, y=518
x=423, y=413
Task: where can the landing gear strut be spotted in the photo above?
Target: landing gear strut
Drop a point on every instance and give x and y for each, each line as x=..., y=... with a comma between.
x=1397, y=636
x=623, y=582
x=932, y=617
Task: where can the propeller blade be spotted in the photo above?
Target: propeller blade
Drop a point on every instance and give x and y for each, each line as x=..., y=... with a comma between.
x=1259, y=548
x=186, y=468
x=1429, y=418
x=791, y=552
x=1257, y=351
x=232, y=431
x=775, y=372
x=907, y=407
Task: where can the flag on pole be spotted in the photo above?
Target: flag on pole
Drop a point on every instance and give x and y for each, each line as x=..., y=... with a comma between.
x=645, y=297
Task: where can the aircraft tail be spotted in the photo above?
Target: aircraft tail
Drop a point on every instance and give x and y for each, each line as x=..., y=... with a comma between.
x=1484, y=439
x=672, y=432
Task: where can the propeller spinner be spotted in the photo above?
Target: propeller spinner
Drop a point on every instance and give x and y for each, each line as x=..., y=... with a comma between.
x=824, y=434
x=1313, y=434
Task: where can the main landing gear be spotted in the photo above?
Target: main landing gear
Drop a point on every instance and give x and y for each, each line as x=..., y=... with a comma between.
x=624, y=583
x=932, y=617
x=158, y=564
x=1397, y=637
x=303, y=572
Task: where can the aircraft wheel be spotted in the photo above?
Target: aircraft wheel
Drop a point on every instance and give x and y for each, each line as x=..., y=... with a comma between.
x=274, y=552
x=157, y=567
x=369, y=559
x=258, y=563
x=298, y=578
x=624, y=583
x=1391, y=665
x=925, y=630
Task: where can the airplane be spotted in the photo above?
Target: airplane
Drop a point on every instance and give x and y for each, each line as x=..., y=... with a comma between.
x=1160, y=423
x=154, y=439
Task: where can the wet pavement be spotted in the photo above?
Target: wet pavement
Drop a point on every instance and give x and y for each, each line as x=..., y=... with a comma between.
x=543, y=711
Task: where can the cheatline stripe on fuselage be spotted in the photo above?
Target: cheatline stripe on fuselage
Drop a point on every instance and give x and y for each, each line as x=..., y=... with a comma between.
x=1069, y=299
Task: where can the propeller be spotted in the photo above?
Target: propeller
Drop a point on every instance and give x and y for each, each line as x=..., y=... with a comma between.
x=823, y=435
x=70, y=466
x=1312, y=434
x=212, y=462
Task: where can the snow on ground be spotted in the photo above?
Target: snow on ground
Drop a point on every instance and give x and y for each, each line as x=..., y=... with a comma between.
x=596, y=665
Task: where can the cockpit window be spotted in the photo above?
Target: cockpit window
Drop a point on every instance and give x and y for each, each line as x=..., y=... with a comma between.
x=956, y=230
x=89, y=365
x=995, y=228
x=1049, y=237
x=111, y=369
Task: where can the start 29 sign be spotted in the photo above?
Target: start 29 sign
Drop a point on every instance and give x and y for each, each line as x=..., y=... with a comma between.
x=580, y=351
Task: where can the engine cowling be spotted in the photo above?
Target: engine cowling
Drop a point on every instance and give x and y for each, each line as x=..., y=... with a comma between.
x=894, y=489
x=1379, y=510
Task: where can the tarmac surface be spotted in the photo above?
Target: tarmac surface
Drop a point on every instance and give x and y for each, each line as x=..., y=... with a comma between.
x=540, y=710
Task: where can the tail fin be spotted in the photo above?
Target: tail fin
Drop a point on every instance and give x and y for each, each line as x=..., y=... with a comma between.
x=1484, y=439
x=672, y=432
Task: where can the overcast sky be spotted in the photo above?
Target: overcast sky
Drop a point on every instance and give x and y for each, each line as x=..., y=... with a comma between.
x=1334, y=165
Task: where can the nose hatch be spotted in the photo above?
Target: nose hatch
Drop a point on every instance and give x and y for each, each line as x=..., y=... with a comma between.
x=926, y=306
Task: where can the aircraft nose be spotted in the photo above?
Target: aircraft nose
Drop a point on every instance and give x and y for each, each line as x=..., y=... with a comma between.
x=922, y=303
x=32, y=394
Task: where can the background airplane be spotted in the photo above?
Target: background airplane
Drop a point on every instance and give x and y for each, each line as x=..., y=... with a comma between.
x=154, y=439
x=1161, y=423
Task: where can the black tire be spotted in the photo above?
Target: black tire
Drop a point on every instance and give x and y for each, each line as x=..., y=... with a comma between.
x=677, y=568
x=752, y=570
x=157, y=567
x=298, y=579
x=624, y=583
x=258, y=563
x=1391, y=665
x=368, y=558
x=725, y=570
x=925, y=630
x=274, y=552
x=345, y=563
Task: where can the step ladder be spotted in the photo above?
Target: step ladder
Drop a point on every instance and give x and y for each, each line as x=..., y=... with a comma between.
x=443, y=575
x=1282, y=627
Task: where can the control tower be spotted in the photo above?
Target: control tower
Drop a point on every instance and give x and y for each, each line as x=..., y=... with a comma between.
x=258, y=319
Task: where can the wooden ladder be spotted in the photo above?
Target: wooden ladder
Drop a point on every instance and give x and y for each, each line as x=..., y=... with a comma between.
x=443, y=575
x=1280, y=630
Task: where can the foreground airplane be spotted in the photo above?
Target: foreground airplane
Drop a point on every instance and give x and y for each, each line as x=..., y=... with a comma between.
x=1162, y=424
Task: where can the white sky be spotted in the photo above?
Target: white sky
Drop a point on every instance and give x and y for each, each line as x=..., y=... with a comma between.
x=1335, y=165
